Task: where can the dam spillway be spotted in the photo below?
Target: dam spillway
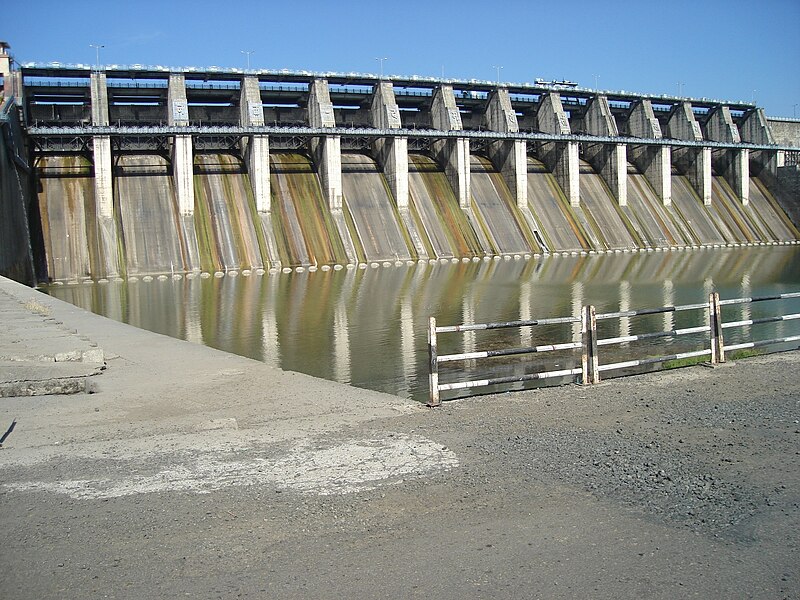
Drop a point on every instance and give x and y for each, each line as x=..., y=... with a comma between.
x=143, y=172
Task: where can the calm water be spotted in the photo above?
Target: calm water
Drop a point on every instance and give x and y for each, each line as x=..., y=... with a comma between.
x=369, y=327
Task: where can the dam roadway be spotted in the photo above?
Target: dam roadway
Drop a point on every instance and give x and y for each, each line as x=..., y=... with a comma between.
x=192, y=472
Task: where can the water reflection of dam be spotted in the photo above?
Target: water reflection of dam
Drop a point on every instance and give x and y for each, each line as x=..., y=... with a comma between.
x=141, y=172
x=367, y=327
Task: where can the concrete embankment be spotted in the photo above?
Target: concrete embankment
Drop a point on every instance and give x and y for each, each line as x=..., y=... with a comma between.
x=196, y=473
x=144, y=383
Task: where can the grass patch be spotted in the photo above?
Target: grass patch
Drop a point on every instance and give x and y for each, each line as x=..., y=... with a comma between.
x=744, y=353
x=683, y=362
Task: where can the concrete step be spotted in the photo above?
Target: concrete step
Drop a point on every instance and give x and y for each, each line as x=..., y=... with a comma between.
x=35, y=378
x=39, y=355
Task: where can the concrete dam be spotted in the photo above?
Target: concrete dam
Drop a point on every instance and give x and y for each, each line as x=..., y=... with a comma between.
x=139, y=171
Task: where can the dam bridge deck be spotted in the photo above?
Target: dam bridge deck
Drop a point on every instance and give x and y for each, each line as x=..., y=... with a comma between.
x=53, y=137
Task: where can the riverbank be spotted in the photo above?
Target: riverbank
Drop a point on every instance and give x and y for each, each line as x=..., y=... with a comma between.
x=187, y=471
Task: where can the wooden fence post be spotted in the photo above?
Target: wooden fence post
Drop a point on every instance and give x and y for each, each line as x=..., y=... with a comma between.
x=715, y=322
x=589, y=362
x=433, y=376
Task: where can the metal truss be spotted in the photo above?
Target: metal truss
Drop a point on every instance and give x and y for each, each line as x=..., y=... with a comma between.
x=371, y=134
x=357, y=142
x=217, y=142
x=288, y=142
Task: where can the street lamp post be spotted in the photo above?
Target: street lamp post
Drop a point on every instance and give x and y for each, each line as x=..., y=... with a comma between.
x=499, y=68
x=380, y=60
x=97, y=55
x=680, y=89
x=596, y=82
x=248, y=53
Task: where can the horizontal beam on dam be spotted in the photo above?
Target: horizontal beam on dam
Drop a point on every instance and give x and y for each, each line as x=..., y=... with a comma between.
x=88, y=131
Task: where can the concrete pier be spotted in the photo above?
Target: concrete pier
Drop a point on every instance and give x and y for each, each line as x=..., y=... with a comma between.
x=654, y=161
x=694, y=163
x=732, y=164
x=508, y=156
x=182, y=154
x=755, y=129
x=391, y=153
x=609, y=160
x=255, y=147
x=452, y=153
x=103, y=184
x=562, y=158
x=103, y=180
x=326, y=151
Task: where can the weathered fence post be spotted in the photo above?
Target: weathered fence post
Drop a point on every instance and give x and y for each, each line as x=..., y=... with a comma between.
x=715, y=322
x=589, y=362
x=433, y=377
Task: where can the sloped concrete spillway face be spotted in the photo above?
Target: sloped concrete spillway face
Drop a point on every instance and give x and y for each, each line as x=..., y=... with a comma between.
x=437, y=211
x=602, y=213
x=774, y=221
x=496, y=210
x=150, y=223
x=655, y=225
x=66, y=205
x=690, y=210
x=225, y=214
x=734, y=220
x=305, y=232
x=557, y=221
x=373, y=211
x=761, y=220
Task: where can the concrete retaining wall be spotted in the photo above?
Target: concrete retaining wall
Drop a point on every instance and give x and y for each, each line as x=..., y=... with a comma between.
x=16, y=257
x=789, y=192
x=785, y=132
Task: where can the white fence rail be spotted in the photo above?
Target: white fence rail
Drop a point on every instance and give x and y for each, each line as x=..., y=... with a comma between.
x=591, y=367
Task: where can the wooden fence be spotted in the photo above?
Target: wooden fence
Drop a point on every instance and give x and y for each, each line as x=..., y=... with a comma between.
x=591, y=368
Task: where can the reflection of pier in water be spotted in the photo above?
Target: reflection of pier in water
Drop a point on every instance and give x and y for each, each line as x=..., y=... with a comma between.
x=367, y=327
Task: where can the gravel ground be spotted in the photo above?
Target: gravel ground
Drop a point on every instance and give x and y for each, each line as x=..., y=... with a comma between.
x=679, y=484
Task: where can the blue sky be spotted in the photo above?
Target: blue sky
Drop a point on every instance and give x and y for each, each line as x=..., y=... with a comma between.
x=730, y=49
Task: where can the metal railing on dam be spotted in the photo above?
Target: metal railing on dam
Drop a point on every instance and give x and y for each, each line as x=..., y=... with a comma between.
x=216, y=130
x=712, y=325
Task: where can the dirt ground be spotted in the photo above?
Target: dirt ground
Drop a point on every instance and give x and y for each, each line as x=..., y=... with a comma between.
x=192, y=473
